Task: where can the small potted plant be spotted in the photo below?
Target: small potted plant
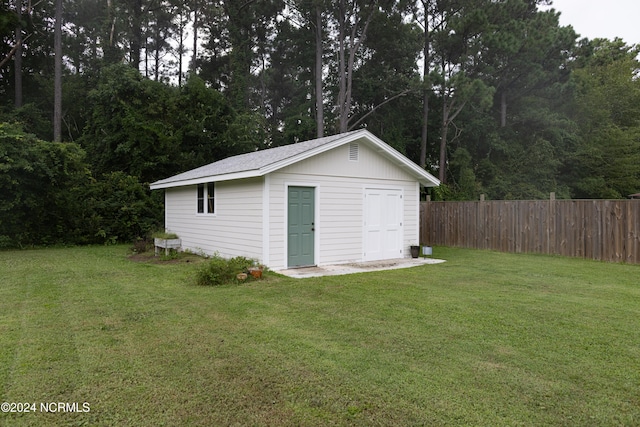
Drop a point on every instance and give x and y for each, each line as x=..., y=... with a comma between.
x=167, y=241
x=256, y=271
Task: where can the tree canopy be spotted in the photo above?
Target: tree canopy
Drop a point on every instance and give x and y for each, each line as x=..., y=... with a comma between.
x=494, y=97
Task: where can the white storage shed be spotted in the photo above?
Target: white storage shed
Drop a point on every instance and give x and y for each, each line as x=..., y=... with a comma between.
x=338, y=199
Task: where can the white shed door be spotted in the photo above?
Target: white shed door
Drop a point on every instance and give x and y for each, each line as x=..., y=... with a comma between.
x=382, y=224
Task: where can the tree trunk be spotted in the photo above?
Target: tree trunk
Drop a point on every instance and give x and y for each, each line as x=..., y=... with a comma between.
x=180, y=48
x=425, y=123
x=318, y=76
x=263, y=85
x=146, y=59
x=442, y=171
x=57, y=84
x=156, y=56
x=195, y=37
x=427, y=87
x=444, y=127
x=17, y=58
x=342, y=72
x=111, y=54
x=136, y=34
x=240, y=56
x=345, y=72
x=450, y=111
x=344, y=123
x=503, y=109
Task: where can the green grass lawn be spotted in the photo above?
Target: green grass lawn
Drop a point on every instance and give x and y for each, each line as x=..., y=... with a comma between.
x=485, y=339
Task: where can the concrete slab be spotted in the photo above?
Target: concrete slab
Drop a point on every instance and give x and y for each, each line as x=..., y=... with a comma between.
x=359, y=267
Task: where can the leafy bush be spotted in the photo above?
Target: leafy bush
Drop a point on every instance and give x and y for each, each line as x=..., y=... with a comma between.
x=47, y=196
x=120, y=209
x=39, y=181
x=220, y=271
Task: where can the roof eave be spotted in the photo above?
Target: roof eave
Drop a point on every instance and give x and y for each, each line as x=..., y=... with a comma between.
x=429, y=183
x=158, y=185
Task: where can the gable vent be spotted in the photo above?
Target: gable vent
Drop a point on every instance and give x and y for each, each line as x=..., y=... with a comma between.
x=353, y=151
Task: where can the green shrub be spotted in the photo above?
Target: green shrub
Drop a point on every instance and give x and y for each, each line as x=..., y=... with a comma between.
x=220, y=271
x=41, y=182
x=48, y=196
x=119, y=208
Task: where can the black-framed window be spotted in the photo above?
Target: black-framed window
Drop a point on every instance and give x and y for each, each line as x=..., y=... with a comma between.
x=200, y=198
x=211, y=197
x=206, y=198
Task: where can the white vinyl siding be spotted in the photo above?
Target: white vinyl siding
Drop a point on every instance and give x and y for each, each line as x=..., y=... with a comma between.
x=340, y=186
x=235, y=229
x=242, y=206
x=335, y=163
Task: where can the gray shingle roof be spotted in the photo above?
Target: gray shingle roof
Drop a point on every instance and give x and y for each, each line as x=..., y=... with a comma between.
x=251, y=161
x=262, y=162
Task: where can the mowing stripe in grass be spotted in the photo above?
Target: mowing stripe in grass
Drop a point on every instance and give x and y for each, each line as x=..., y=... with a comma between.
x=486, y=339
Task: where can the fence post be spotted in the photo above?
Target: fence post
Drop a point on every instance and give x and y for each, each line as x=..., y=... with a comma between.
x=551, y=225
x=426, y=232
x=481, y=226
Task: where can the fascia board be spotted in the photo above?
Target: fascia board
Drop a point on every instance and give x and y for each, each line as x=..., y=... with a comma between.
x=205, y=179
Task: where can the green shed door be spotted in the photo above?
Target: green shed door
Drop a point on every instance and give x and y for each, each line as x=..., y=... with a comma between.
x=301, y=226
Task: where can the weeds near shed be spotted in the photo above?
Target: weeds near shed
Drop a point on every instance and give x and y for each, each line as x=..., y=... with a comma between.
x=141, y=245
x=220, y=271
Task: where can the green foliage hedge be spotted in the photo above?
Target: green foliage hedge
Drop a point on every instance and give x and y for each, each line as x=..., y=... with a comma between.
x=122, y=209
x=48, y=196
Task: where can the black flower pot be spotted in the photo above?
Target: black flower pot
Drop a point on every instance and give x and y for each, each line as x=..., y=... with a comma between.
x=415, y=251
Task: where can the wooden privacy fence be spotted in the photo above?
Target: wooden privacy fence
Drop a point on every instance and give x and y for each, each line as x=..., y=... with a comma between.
x=607, y=230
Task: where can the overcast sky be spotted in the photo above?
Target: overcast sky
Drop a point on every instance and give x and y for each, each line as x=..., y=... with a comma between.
x=605, y=19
